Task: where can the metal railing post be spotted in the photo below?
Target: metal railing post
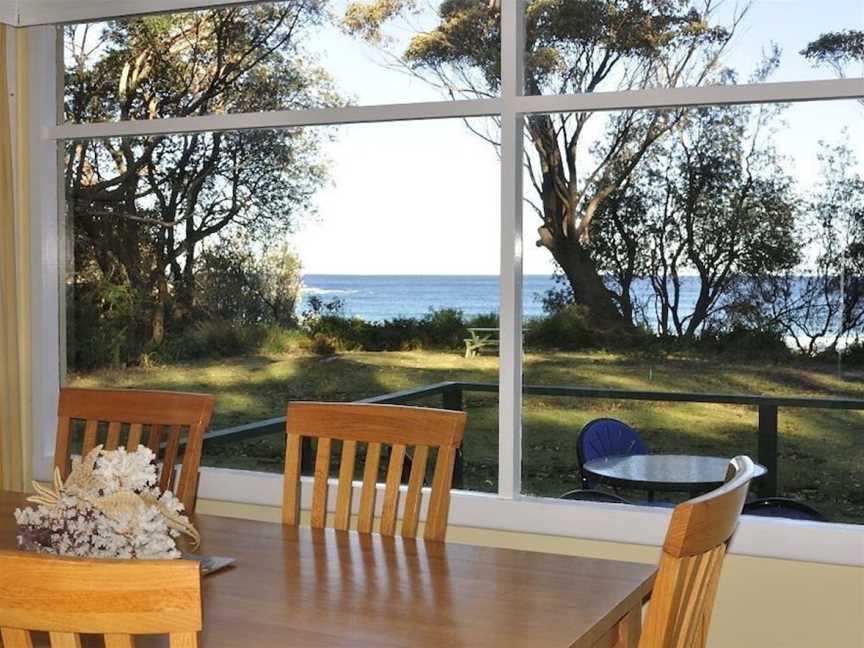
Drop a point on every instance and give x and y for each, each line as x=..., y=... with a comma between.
x=769, y=485
x=451, y=399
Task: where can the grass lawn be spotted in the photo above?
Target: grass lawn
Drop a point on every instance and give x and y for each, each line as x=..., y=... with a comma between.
x=821, y=451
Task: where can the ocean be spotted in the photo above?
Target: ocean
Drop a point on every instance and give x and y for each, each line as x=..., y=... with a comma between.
x=382, y=297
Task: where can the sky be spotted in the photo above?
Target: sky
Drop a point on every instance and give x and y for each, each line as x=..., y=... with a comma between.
x=424, y=198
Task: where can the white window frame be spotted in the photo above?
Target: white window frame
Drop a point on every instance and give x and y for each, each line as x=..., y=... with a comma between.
x=509, y=509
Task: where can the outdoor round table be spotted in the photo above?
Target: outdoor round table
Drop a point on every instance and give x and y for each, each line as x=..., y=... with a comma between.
x=660, y=472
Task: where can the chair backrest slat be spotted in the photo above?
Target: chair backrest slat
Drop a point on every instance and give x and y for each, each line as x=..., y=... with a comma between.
x=402, y=434
x=291, y=487
x=183, y=640
x=89, y=442
x=390, y=512
x=172, y=449
x=64, y=640
x=14, y=638
x=679, y=614
x=119, y=641
x=439, y=500
x=154, y=439
x=136, y=434
x=411, y=515
x=369, y=491
x=345, y=492
x=319, y=492
x=112, y=441
x=157, y=411
x=68, y=597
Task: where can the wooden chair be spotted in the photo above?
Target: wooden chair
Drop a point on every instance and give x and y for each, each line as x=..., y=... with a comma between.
x=109, y=414
x=67, y=597
x=683, y=598
x=375, y=426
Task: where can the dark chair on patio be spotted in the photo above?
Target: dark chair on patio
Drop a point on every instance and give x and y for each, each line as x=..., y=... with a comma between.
x=588, y=495
x=607, y=437
x=783, y=507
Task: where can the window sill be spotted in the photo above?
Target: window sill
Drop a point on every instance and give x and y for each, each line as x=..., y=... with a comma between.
x=837, y=544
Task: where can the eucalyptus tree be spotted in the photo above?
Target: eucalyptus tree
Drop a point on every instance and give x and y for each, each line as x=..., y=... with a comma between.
x=842, y=51
x=143, y=207
x=711, y=209
x=572, y=46
x=823, y=302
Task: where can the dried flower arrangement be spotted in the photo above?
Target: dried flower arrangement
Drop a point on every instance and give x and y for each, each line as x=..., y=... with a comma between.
x=110, y=506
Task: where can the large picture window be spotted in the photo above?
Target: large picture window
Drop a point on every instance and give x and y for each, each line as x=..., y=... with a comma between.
x=543, y=213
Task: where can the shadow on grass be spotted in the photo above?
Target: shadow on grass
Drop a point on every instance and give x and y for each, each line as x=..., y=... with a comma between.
x=821, y=451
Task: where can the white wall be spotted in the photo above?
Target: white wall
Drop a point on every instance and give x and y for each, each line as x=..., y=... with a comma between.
x=9, y=12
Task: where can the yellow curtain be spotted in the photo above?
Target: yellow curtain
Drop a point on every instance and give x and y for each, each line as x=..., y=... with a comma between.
x=14, y=370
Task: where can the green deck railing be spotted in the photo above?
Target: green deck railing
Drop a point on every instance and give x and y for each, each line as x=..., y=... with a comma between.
x=452, y=397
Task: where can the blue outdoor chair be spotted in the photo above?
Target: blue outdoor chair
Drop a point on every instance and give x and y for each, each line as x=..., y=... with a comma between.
x=782, y=507
x=607, y=437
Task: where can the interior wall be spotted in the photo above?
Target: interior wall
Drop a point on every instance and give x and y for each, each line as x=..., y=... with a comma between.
x=762, y=602
x=9, y=12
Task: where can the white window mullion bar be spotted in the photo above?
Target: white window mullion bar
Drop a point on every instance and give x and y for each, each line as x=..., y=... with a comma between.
x=794, y=91
x=45, y=242
x=43, y=12
x=634, y=99
x=510, y=350
x=279, y=119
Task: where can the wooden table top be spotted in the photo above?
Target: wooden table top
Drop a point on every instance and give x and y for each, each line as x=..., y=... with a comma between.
x=302, y=587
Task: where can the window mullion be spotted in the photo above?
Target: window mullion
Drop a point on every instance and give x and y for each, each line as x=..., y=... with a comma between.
x=510, y=356
x=46, y=240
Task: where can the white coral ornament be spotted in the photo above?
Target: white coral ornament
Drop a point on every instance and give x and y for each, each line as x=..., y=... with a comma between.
x=110, y=506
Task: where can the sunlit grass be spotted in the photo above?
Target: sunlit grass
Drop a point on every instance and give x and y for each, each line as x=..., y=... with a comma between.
x=821, y=451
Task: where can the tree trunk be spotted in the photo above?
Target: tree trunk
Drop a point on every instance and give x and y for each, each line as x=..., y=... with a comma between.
x=158, y=322
x=587, y=284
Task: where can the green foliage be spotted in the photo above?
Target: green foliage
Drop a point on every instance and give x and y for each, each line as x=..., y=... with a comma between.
x=711, y=200
x=837, y=49
x=144, y=208
x=744, y=342
x=214, y=339
x=323, y=344
x=98, y=323
x=853, y=355
x=278, y=340
x=443, y=328
x=484, y=320
x=569, y=328
x=438, y=329
x=234, y=284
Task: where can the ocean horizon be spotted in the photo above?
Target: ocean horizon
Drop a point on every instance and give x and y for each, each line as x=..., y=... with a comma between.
x=384, y=297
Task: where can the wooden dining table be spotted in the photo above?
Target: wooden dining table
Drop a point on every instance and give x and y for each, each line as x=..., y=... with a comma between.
x=299, y=587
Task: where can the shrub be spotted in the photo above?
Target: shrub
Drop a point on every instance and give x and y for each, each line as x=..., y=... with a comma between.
x=102, y=324
x=744, y=341
x=443, y=328
x=323, y=345
x=215, y=339
x=234, y=283
x=484, y=320
x=854, y=354
x=277, y=339
x=566, y=329
x=437, y=329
